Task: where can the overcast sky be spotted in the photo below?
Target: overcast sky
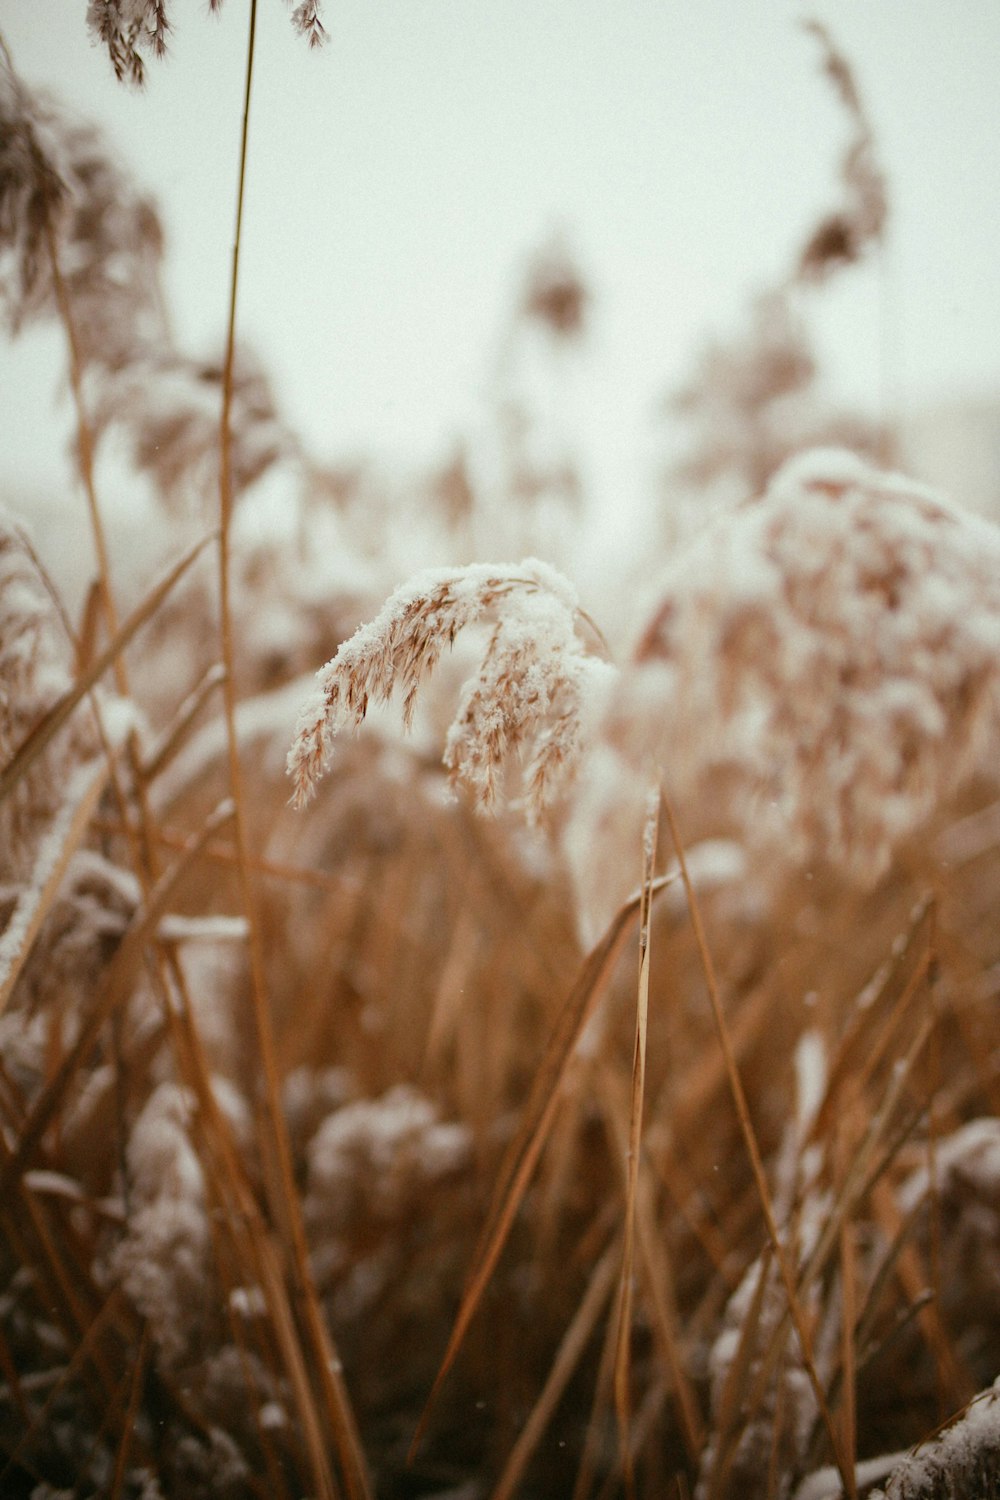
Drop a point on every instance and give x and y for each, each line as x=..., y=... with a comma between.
x=400, y=177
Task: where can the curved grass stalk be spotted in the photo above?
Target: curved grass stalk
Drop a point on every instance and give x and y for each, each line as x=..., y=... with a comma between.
x=521, y=1157
x=844, y=1469
x=35, y=900
x=49, y=726
x=623, y=1400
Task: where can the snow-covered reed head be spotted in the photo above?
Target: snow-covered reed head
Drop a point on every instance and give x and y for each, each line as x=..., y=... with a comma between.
x=821, y=676
x=74, y=230
x=530, y=693
x=164, y=1258
x=824, y=668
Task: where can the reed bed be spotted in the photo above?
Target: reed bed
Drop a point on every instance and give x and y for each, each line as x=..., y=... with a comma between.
x=593, y=1090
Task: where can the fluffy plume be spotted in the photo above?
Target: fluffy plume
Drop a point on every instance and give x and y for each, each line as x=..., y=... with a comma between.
x=167, y=407
x=305, y=19
x=59, y=179
x=32, y=193
x=163, y=1261
x=372, y=1158
x=531, y=688
x=555, y=295
x=844, y=236
x=131, y=30
x=373, y=1167
x=824, y=669
x=127, y=29
x=744, y=398
x=65, y=203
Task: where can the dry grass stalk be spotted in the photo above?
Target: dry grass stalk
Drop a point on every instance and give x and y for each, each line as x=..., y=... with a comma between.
x=330, y=1391
x=623, y=1400
x=794, y=1306
x=523, y=1153
x=570, y=1350
x=36, y=685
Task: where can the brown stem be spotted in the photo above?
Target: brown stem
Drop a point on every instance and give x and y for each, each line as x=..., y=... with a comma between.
x=274, y=1136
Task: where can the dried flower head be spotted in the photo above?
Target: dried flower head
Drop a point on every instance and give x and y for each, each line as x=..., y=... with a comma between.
x=530, y=691
x=131, y=29
x=372, y=1160
x=127, y=29
x=167, y=408
x=305, y=19
x=737, y=405
x=555, y=295
x=843, y=237
x=63, y=198
x=163, y=1260
x=824, y=669
x=32, y=193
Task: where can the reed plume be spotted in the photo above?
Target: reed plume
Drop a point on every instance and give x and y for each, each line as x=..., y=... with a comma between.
x=132, y=30
x=823, y=669
x=530, y=693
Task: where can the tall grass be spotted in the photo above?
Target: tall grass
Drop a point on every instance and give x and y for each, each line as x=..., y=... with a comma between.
x=639, y=1138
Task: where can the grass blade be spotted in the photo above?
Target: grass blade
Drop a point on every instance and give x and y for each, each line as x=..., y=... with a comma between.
x=753, y=1151
x=638, y=1094
x=54, y=853
x=118, y=981
x=567, y=1357
x=526, y=1147
x=50, y=724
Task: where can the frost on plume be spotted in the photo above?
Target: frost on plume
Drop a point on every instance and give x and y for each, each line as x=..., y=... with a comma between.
x=823, y=667
x=528, y=699
x=163, y=1260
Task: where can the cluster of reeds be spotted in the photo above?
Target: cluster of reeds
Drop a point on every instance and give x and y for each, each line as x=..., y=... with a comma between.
x=381, y=1147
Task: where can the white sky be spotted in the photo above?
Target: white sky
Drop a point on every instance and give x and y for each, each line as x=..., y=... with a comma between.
x=400, y=177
